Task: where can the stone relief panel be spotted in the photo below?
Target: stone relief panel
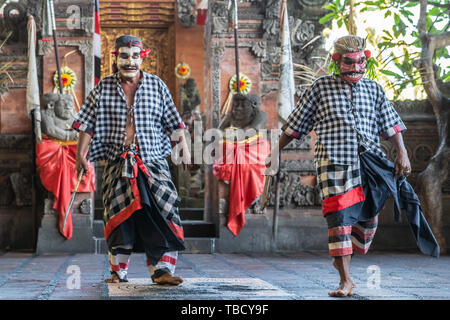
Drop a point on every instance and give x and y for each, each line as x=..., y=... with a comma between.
x=304, y=144
x=186, y=10
x=15, y=170
x=293, y=193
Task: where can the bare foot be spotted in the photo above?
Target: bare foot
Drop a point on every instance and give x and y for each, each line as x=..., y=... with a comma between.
x=337, y=268
x=345, y=289
x=115, y=279
x=167, y=278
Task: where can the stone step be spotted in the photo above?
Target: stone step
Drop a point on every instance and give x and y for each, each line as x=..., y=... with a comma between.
x=51, y=241
x=185, y=213
x=191, y=214
x=193, y=245
x=99, y=245
x=98, y=228
x=199, y=229
x=192, y=228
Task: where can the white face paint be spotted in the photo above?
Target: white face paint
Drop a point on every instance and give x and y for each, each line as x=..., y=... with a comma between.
x=129, y=61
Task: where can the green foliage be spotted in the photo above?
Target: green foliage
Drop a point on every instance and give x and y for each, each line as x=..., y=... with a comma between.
x=371, y=67
x=333, y=68
x=397, y=69
x=339, y=12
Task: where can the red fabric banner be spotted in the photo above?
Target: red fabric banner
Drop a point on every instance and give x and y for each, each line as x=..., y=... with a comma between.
x=56, y=165
x=243, y=164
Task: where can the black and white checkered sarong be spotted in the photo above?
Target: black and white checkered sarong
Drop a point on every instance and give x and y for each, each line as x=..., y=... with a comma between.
x=336, y=179
x=118, y=192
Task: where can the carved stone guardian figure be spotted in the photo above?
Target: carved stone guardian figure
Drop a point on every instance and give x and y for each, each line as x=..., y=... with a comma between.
x=55, y=158
x=190, y=105
x=57, y=116
x=245, y=113
x=240, y=168
x=186, y=12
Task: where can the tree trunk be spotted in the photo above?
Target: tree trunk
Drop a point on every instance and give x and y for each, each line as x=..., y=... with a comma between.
x=351, y=19
x=429, y=189
x=429, y=182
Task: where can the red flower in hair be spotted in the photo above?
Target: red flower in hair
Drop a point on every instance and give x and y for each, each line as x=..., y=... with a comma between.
x=144, y=53
x=115, y=52
x=336, y=56
x=367, y=53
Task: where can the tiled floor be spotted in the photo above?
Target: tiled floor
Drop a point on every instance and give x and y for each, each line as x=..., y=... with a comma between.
x=290, y=276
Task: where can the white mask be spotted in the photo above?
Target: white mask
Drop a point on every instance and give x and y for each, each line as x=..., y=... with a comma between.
x=129, y=61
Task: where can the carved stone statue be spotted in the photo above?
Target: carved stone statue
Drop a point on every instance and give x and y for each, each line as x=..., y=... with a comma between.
x=56, y=161
x=243, y=121
x=186, y=12
x=190, y=97
x=190, y=102
x=245, y=113
x=57, y=116
x=14, y=20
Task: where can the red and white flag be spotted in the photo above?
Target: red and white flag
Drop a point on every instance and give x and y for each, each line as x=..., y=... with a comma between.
x=202, y=11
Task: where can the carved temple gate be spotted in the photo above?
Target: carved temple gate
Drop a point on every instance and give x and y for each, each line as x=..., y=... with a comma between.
x=150, y=21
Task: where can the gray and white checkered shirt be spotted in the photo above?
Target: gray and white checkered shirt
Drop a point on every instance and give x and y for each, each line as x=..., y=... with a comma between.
x=104, y=116
x=340, y=122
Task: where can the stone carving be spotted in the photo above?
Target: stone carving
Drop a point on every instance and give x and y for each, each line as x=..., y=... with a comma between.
x=293, y=193
x=189, y=97
x=48, y=206
x=245, y=113
x=219, y=17
x=304, y=195
x=15, y=141
x=21, y=185
x=86, y=206
x=304, y=167
x=422, y=153
x=7, y=194
x=186, y=14
x=304, y=144
x=15, y=188
x=190, y=101
x=301, y=32
x=14, y=20
x=57, y=116
x=218, y=50
x=259, y=49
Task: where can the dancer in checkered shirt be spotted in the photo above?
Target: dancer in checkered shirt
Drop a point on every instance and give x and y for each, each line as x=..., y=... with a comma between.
x=129, y=116
x=348, y=113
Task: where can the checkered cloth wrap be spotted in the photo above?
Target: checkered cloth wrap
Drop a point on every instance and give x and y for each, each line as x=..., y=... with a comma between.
x=104, y=116
x=336, y=179
x=118, y=193
x=340, y=121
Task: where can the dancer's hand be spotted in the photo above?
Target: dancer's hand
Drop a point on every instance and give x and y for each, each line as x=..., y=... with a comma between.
x=271, y=170
x=402, y=164
x=82, y=165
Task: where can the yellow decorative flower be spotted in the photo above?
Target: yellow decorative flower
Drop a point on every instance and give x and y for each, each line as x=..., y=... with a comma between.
x=68, y=78
x=245, y=84
x=182, y=70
